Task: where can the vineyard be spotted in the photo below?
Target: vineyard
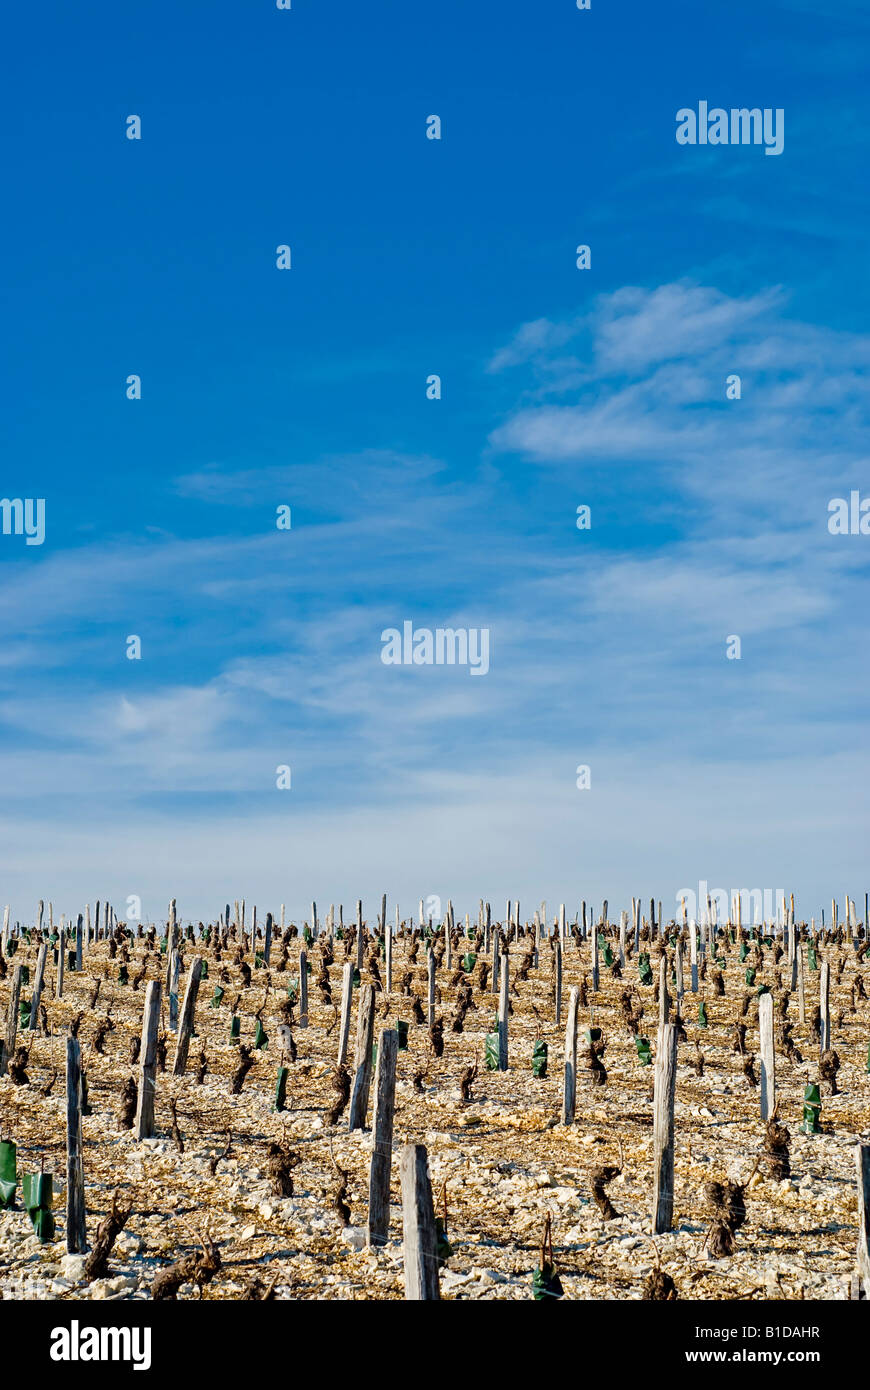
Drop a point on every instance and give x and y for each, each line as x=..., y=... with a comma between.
x=466, y=1110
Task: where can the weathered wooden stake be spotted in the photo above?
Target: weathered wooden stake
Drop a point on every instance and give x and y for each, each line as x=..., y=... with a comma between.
x=664, y=997
x=37, y=987
x=267, y=941
x=693, y=954
x=430, y=970
x=558, y=971
x=419, y=1242
x=188, y=1010
x=365, y=1034
x=346, y=998
x=303, y=988
x=825, y=1006
x=388, y=954
x=862, y=1163
x=569, y=1092
x=144, y=1124
x=174, y=974
x=61, y=958
x=76, y=1233
x=503, y=1010
x=663, y=1129
x=802, y=1004
x=79, y=939
x=768, y=1064
x=6, y=1052
x=378, y=1229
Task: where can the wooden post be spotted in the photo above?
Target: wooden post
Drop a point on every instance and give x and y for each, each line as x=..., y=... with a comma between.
x=267, y=943
x=862, y=1163
x=558, y=969
x=569, y=1093
x=314, y=921
x=419, y=1243
x=359, y=935
x=5, y=929
x=303, y=988
x=11, y=1020
x=496, y=953
x=594, y=957
x=174, y=973
x=562, y=924
x=388, y=954
x=76, y=1234
x=37, y=987
x=693, y=955
x=768, y=1065
x=678, y=970
x=188, y=1010
x=346, y=998
x=825, y=1006
x=503, y=1010
x=79, y=937
x=61, y=958
x=430, y=968
x=663, y=1129
x=623, y=923
x=144, y=1125
x=378, y=1228
x=365, y=1034
x=664, y=997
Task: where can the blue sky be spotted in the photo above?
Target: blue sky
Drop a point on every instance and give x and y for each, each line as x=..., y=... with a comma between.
x=560, y=387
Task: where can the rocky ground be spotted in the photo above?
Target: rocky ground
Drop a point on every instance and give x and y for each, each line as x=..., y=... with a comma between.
x=506, y=1161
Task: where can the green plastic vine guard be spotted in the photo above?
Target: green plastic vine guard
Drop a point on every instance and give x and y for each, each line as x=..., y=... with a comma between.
x=293, y=989
x=702, y=1014
x=25, y=974
x=281, y=1088
x=235, y=1030
x=469, y=961
x=644, y=969
x=643, y=1050
x=259, y=960
x=37, y=1194
x=402, y=1030
x=71, y=961
x=163, y=945
x=122, y=975
x=203, y=974
x=12, y=945
x=750, y=974
x=260, y=1038
x=490, y=1051
x=356, y=978
x=306, y=932
x=540, y=1054
x=339, y=932
x=86, y=1105
x=720, y=961
x=24, y=1013
x=8, y=1174
x=744, y=950
x=217, y=996
x=546, y=1284
x=813, y=958
x=607, y=954
x=812, y=1109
